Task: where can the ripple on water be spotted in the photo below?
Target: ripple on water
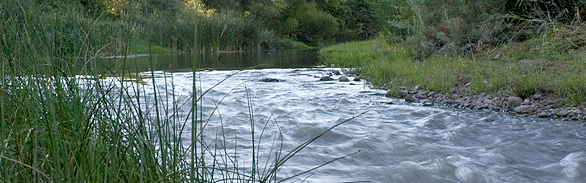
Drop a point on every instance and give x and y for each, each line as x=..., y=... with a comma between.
x=574, y=166
x=399, y=142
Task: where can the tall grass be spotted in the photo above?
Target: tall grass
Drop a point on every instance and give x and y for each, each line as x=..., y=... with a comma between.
x=59, y=123
x=225, y=32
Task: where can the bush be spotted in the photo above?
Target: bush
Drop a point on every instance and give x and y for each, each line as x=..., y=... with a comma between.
x=445, y=27
x=314, y=24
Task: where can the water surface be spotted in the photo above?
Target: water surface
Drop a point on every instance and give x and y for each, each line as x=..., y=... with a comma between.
x=398, y=142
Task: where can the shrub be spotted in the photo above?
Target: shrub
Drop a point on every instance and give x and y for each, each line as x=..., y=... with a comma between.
x=446, y=27
x=314, y=24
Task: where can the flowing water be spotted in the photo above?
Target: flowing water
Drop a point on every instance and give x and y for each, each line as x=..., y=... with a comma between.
x=394, y=141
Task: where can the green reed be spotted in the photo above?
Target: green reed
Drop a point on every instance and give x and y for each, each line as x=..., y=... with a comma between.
x=61, y=121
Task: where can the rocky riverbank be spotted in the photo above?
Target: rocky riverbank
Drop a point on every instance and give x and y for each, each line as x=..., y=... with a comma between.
x=540, y=105
x=537, y=105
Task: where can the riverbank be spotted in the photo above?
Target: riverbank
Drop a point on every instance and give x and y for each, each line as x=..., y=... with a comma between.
x=518, y=78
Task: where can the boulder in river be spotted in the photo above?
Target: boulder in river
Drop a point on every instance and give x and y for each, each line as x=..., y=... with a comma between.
x=336, y=72
x=343, y=79
x=326, y=78
x=357, y=78
x=269, y=80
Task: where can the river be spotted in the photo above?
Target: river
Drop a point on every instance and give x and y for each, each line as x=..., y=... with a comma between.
x=393, y=141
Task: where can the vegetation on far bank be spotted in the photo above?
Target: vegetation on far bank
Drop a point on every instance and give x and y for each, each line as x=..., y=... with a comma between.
x=520, y=68
x=518, y=46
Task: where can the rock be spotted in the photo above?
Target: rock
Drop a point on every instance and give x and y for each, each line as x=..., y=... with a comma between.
x=543, y=115
x=523, y=109
x=343, y=79
x=421, y=94
x=427, y=104
x=390, y=94
x=562, y=113
x=326, y=78
x=576, y=111
x=514, y=101
x=410, y=98
x=269, y=80
x=537, y=96
x=402, y=93
x=357, y=78
x=431, y=94
x=336, y=72
x=415, y=89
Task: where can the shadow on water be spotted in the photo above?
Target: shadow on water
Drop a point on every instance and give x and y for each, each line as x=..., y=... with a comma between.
x=210, y=61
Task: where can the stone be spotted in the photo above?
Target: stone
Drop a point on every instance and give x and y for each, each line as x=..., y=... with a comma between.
x=410, y=98
x=514, y=101
x=357, y=78
x=427, y=104
x=562, y=113
x=543, y=115
x=326, y=78
x=390, y=94
x=336, y=72
x=523, y=109
x=421, y=94
x=269, y=80
x=415, y=90
x=403, y=93
x=576, y=111
x=343, y=79
x=537, y=96
x=432, y=94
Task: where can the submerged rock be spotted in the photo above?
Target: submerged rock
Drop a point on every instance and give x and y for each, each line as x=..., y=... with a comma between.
x=269, y=80
x=343, y=79
x=326, y=78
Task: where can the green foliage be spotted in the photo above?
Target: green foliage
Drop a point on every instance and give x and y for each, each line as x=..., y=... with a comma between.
x=566, y=11
x=167, y=7
x=314, y=24
x=61, y=121
x=445, y=27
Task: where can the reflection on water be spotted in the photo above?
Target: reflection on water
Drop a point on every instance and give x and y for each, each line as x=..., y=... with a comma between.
x=211, y=61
